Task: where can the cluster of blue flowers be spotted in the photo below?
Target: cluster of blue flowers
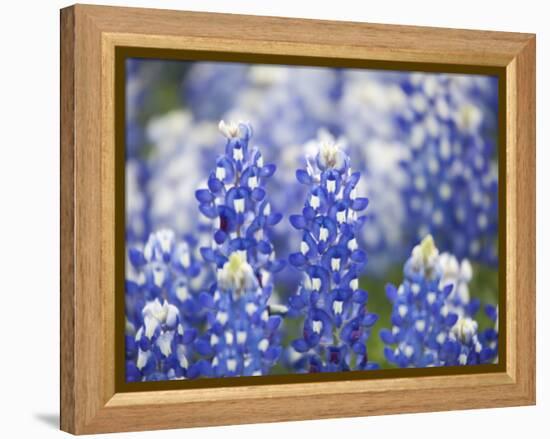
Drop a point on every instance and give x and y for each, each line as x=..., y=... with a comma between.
x=433, y=316
x=453, y=178
x=436, y=133
x=336, y=321
x=242, y=337
x=200, y=290
x=162, y=281
x=424, y=144
x=221, y=285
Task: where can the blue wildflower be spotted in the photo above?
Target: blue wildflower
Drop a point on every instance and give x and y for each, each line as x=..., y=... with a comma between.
x=166, y=268
x=286, y=107
x=163, y=278
x=336, y=321
x=489, y=336
x=428, y=142
x=162, y=345
x=241, y=337
x=453, y=176
x=432, y=313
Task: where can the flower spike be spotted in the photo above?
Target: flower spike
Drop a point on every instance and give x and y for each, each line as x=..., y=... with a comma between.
x=241, y=338
x=336, y=321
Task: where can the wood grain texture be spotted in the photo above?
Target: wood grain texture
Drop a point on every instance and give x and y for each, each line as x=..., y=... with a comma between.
x=525, y=229
x=67, y=254
x=322, y=37
x=90, y=35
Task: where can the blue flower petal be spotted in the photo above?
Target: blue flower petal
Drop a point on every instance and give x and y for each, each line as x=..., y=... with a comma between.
x=258, y=194
x=303, y=177
x=268, y=170
x=359, y=348
x=264, y=247
x=206, y=300
x=296, y=302
x=204, y=196
x=208, y=254
x=309, y=213
x=300, y=345
x=136, y=257
x=272, y=353
x=273, y=219
x=208, y=210
x=298, y=222
x=391, y=292
x=220, y=236
x=370, y=319
x=273, y=323
x=491, y=312
x=189, y=335
x=215, y=185
x=297, y=259
x=386, y=336
x=360, y=204
x=359, y=257
x=360, y=296
x=451, y=319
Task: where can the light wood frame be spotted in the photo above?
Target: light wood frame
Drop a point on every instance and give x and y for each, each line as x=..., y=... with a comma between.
x=89, y=36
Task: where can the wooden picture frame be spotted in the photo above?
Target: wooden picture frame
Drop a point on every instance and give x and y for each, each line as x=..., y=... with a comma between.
x=90, y=36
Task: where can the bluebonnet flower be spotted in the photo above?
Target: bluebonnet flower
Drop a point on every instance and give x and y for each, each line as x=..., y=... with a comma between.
x=162, y=344
x=423, y=143
x=241, y=337
x=163, y=278
x=432, y=320
x=367, y=113
x=336, y=321
x=165, y=267
x=399, y=126
x=286, y=106
x=458, y=274
x=489, y=336
x=453, y=177
x=428, y=144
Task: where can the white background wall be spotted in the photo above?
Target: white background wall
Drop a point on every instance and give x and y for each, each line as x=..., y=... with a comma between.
x=29, y=206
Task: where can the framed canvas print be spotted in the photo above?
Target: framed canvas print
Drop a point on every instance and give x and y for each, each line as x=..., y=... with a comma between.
x=268, y=219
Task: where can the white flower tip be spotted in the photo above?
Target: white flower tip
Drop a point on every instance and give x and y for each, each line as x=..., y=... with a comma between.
x=337, y=307
x=465, y=329
x=317, y=326
x=426, y=253
x=236, y=274
x=330, y=153
x=231, y=365
x=230, y=130
x=263, y=345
